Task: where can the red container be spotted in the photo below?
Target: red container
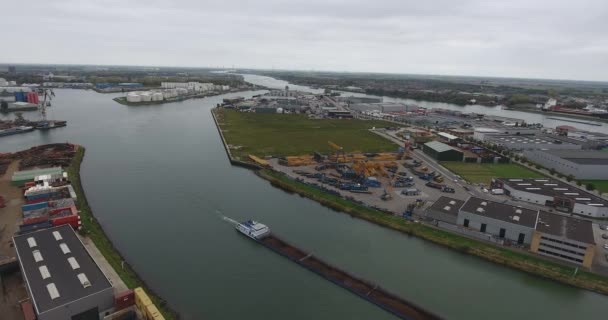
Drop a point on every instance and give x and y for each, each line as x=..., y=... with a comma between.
x=35, y=220
x=124, y=300
x=59, y=210
x=30, y=184
x=28, y=310
x=73, y=220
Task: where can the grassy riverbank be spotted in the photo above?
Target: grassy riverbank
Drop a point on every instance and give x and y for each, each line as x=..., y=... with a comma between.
x=523, y=261
x=95, y=232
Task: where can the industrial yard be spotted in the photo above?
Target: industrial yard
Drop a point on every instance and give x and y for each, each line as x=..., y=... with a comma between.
x=38, y=202
x=484, y=173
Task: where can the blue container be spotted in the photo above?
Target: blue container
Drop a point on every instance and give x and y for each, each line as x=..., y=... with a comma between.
x=40, y=196
x=35, y=227
x=34, y=206
x=20, y=97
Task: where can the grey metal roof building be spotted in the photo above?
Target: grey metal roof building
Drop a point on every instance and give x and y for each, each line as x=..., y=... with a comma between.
x=564, y=238
x=62, y=279
x=583, y=164
x=534, y=142
x=500, y=220
x=442, y=152
x=554, y=193
x=445, y=209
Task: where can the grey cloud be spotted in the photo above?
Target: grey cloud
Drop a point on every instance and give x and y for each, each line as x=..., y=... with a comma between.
x=542, y=39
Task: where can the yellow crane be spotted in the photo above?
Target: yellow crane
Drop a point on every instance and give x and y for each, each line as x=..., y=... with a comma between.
x=339, y=150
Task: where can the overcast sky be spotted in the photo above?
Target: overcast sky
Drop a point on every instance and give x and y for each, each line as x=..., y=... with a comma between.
x=503, y=38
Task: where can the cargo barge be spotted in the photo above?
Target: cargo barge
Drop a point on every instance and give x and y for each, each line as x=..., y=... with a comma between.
x=362, y=288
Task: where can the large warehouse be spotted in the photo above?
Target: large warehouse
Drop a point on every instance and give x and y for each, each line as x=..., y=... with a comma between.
x=513, y=142
x=442, y=152
x=61, y=278
x=583, y=164
x=554, y=193
x=445, y=209
x=498, y=219
x=564, y=238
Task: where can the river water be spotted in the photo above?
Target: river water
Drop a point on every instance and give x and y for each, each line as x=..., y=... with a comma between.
x=158, y=180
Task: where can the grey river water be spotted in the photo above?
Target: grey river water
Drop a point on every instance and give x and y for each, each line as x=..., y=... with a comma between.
x=158, y=180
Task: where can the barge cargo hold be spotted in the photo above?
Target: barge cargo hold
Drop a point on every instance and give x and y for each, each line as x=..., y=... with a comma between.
x=364, y=289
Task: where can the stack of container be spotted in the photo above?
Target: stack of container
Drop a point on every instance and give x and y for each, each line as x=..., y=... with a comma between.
x=32, y=97
x=20, y=97
x=20, y=178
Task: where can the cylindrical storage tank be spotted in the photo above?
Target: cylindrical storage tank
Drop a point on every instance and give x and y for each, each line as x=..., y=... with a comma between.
x=157, y=96
x=279, y=110
x=133, y=97
x=146, y=97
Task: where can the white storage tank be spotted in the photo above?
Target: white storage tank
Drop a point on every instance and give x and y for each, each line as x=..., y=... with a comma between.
x=146, y=96
x=133, y=97
x=157, y=96
x=279, y=110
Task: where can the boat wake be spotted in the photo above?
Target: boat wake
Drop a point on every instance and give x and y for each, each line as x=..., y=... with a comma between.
x=225, y=218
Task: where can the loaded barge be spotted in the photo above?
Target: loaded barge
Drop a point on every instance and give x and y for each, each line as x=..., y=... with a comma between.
x=363, y=288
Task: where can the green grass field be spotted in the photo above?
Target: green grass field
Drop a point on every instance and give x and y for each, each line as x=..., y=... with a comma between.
x=292, y=134
x=601, y=185
x=483, y=173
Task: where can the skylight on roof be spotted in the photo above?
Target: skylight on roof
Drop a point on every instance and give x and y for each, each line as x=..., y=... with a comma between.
x=37, y=255
x=44, y=272
x=452, y=202
x=524, y=184
x=73, y=263
x=533, y=188
x=64, y=248
x=447, y=208
x=52, y=289
x=571, y=193
x=560, y=189
x=31, y=241
x=57, y=235
x=582, y=199
x=84, y=280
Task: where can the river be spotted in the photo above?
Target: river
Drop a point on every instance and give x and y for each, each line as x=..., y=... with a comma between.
x=158, y=180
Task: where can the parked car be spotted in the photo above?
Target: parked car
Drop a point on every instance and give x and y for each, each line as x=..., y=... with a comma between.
x=603, y=227
x=606, y=246
x=605, y=236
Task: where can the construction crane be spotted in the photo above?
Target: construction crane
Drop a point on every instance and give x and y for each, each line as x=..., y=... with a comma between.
x=338, y=149
x=388, y=191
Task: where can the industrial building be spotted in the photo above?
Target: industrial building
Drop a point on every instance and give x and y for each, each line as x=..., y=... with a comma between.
x=482, y=133
x=582, y=164
x=442, y=152
x=445, y=209
x=498, y=219
x=448, y=138
x=564, y=238
x=553, y=235
x=384, y=107
x=62, y=279
x=530, y=142
x=554, y=193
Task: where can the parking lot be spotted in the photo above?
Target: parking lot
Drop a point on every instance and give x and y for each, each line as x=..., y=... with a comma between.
x=397, y=204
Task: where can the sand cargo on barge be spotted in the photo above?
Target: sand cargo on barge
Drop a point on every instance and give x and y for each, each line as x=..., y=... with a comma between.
x=363, y=288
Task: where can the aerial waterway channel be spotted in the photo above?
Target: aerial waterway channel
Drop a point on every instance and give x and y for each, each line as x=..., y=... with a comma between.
x=158, y=180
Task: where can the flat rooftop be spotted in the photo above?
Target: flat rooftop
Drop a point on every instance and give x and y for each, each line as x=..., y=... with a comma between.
x=566, y=227
x=506, y=139
x=447, y=205
x=588, y=157
x=501, y=211
x=48, y=262
x=554, y=188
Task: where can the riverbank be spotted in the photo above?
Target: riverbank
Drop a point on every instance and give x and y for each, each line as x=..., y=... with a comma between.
x=515, y=259
x=93, y=230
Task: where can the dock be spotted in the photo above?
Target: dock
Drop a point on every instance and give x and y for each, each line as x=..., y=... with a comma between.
x=364, y=289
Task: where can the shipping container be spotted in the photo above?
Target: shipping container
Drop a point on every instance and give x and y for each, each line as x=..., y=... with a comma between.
x=152, y=313
x=141, y=299
x=34, y=227
x=73, y=220
x=28, y=310
x=37, y=200
x=34, y=206
x=34, y=220
x=124, y=300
